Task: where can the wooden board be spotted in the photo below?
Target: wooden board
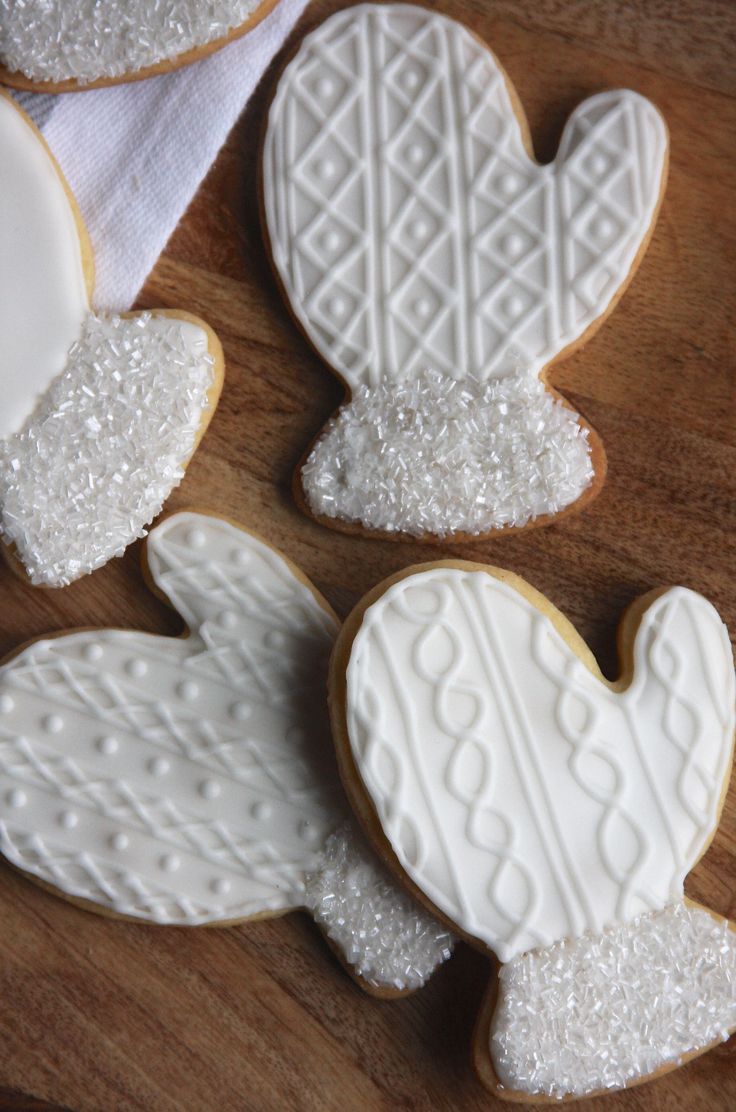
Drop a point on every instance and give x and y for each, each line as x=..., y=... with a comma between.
x=96, y=1015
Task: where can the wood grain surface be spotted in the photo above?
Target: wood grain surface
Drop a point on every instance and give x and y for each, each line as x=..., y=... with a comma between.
x=104, y=1016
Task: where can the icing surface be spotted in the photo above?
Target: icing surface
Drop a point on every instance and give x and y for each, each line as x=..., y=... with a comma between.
x=192, y=780
x=53, y=40
x=409, y=226
x=603, y=1010
x=43, y=299
x=106, y=444
x=434, y=455
x=524, y=796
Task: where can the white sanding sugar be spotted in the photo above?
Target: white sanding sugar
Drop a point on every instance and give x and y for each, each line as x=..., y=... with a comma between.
x=54, y=40
x=386, y=936
x=437, y=456
x=602, y=1010
x=105, y=445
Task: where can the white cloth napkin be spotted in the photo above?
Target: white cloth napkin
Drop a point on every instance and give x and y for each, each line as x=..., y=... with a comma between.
x=135, y=154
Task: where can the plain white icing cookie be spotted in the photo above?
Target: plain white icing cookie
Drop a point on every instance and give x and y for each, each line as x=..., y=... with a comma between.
x=413, y=232
x=100, y=414
x=54, y=40
x=532, y=802
x=192, y=780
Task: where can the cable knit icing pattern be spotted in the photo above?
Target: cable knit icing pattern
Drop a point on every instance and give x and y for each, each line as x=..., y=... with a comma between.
x=191, y=780
x=413, y=232
x=53, y=40
x=549, y=814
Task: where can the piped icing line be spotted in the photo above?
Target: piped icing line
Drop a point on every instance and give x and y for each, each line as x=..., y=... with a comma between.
x=191, y=781
x=54, y=41
x=101, y=413
x=414, y=234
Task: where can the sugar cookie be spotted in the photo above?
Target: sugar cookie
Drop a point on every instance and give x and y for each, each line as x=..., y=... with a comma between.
x=100, y=413
x=55, y=46
x=439, y=271
x=192, y=780
x=549, y=815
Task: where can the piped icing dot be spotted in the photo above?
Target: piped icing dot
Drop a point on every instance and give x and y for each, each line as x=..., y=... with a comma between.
x=188, y=690
x=158, y=766
x=326, y=169
x=513, y=245
x=325, y=87
x=136, y=668
x=93, y=653
x=415, y=153
x=228, y=619
x=119, y=841
x=422, y=307
x=331, y=240
x=240, y=556
x=599, y=164
x=337, y=306
x=419, y=229
x=220, y=886
x=261, y=810
x=274, y=639
x=196, y=538
x=241, y=712
x=68, y=819
x=603, y=228
x=508, y=184
x=16, y=798
x=169, y=862
x=53, y=723
x=513, y=305
x=411, y=79
x=209, y=789
x=108, y=745
x=6, y=703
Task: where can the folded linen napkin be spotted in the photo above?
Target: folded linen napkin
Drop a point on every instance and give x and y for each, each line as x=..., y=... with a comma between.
x=134, y=155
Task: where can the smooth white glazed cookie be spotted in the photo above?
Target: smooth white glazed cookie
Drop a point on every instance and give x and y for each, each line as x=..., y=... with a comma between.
x=550, y=815
x=53, y=41
x=192, y=780
x=413, y=233
x=100, y=414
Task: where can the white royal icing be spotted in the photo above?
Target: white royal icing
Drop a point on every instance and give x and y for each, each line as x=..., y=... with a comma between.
x=99, y=415
x=409, y=225
x=54, y=40
x=192, y=780
x=43, y=297
x=413, y=232
x=605, y=1010
x=526, y=797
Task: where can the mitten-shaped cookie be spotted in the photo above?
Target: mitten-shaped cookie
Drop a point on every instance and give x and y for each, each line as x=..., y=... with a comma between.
x=100, y=414
x=55, y=46
x=192, y=780
x=549, y=815
x=439, y=271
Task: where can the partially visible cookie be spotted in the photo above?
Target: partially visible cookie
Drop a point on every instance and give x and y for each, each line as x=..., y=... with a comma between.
x=100, y=414
x=56, y=46
x=192, y=781
x=548, y=815
x=440, y=271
